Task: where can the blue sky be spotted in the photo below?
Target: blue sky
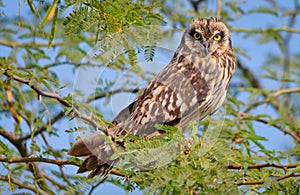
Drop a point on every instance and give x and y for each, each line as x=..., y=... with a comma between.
x=256, y=51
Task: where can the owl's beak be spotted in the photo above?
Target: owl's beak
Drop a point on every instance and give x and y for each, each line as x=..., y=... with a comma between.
x=206, y=45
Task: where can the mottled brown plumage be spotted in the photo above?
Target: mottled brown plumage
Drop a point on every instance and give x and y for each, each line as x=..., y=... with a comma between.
x=192, y=86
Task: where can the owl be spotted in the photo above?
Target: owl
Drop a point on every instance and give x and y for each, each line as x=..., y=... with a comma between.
x=192, y=86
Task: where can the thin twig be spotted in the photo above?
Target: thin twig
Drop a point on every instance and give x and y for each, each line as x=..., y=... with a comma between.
x=36, y=89
x=21, y=184
x=262, y=31
x=94, y=187
x=285, y=91
x=24, y=153
x=42, y=128
x=57, y=97
x=51, y=180
x=258, y=166
x=219, y=9
x=291, y=133
x=112, y=92
x=272, y=97
x=12, y=44
x=49, y=148
x=262, y=181
x=39, y=159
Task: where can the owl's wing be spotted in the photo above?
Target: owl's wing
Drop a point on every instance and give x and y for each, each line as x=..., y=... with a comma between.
x=124, y=114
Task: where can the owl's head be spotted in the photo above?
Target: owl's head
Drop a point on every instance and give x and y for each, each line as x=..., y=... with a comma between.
x=208, y=37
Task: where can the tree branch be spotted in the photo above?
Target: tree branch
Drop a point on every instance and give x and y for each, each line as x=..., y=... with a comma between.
x=21, y=184
x=262, y=31
x=262, y=181
x=42, y=128
x=12, y=44
x=39, y=159
x=285, y=91
x=57, y=97
x=218, y=8
x=51, y=180
x=271, y=97
x=15, y=141
x=38, y=91
x=259, y=166
x=51, y=161
x=24, y=153
x=291, y=133
x=112, y=92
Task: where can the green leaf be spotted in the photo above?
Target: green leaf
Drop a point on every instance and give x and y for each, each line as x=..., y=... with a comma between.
x=51, y=10
x=52, y=33
x=4, y=148
x=34, y=146
x=149, y=52
x=32, y=8
x=37, y=123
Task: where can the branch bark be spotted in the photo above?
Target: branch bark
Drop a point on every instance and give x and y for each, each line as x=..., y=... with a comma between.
x=21, y=184
x=262, y=182
x=259, y=166
x=39, y=159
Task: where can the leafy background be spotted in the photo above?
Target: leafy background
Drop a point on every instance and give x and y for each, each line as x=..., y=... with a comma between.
x=43, y=44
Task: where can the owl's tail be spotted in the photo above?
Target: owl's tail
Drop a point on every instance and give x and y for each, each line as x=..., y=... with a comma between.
x=97, y=155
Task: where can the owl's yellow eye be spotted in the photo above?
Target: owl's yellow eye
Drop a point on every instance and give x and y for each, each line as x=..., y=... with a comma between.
x=197, y=36
x=217, y=37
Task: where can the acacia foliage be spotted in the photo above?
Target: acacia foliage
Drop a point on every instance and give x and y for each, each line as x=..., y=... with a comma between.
x=36, y=97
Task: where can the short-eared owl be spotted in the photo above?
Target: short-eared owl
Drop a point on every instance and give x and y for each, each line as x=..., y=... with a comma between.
x=192, y=86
